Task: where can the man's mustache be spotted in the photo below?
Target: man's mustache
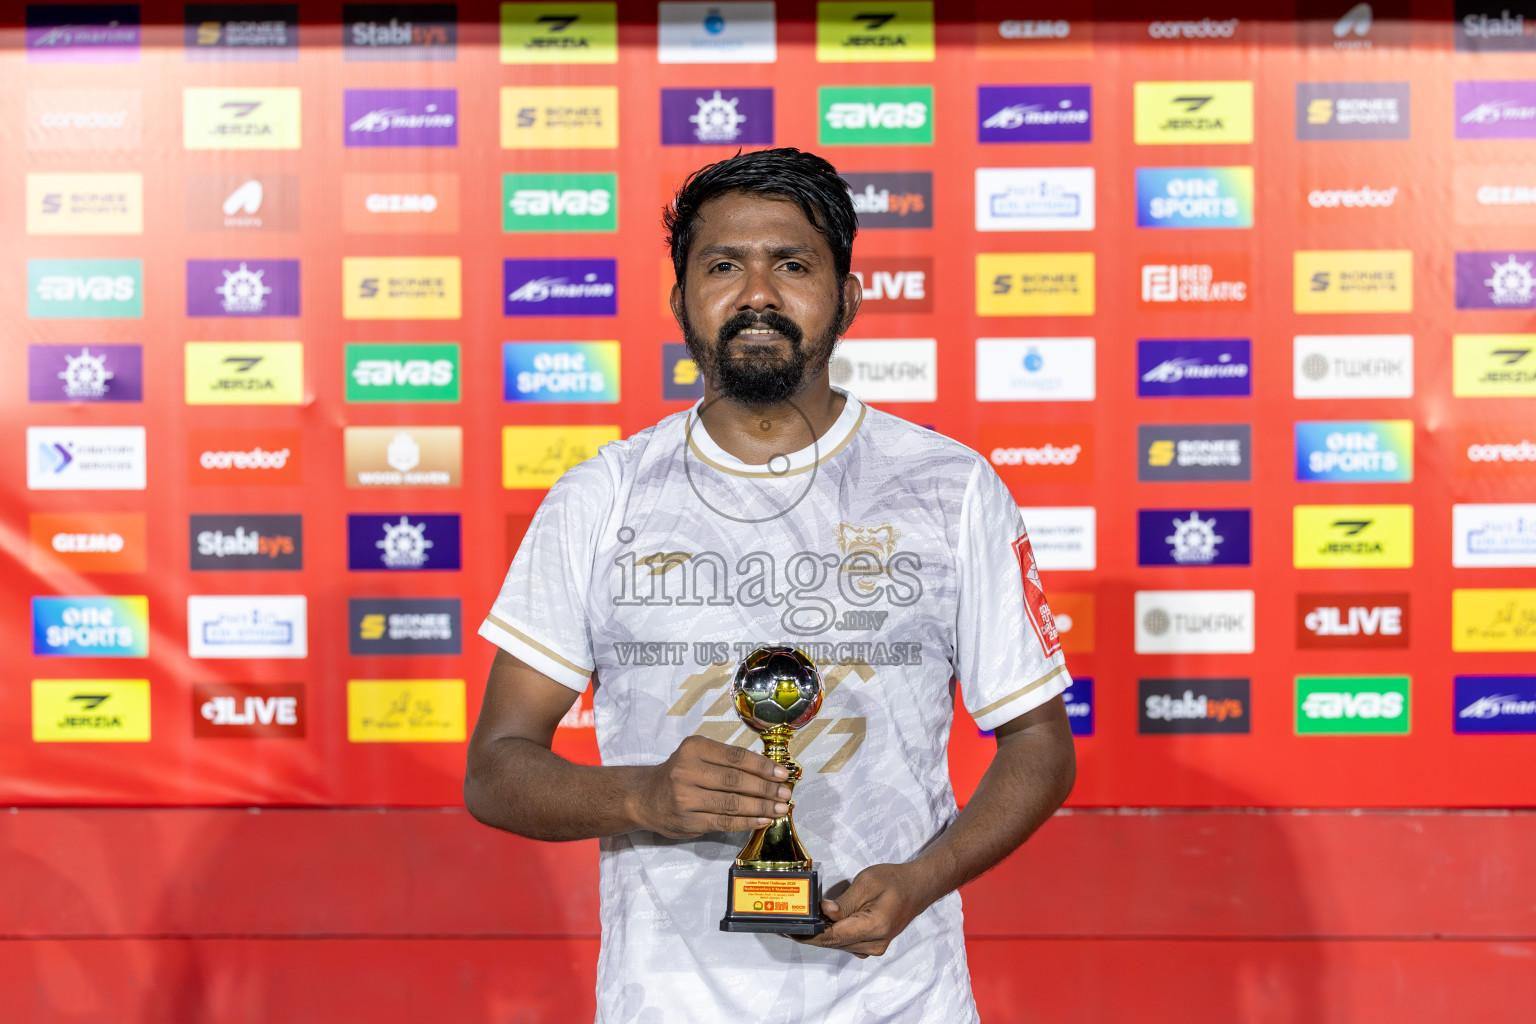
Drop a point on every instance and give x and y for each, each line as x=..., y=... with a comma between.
x=773, y=321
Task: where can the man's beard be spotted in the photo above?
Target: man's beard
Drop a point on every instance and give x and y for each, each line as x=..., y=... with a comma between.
x=760, y=380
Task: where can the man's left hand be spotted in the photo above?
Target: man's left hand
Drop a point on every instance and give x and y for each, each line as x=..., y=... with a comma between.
x=875, y=908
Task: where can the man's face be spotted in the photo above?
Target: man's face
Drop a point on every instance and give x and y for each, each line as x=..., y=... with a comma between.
x=761, y=303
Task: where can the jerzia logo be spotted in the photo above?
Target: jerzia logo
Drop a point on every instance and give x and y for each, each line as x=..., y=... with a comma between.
x=1353, y=536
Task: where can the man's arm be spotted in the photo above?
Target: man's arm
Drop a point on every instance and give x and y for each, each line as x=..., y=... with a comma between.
x=514, y=781
x=1029, y=777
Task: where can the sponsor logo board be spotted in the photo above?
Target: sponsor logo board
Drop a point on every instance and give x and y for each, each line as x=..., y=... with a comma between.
x=242, y=287
x=887, y=369
x=400, y=288
x=1035, y=370
x=406, y=710
x=1493, y=365
x=84, y=119
x=245, y=372
x=1196, y=537
x=1186, y=706
x=88, y=542
x=1494, y=451
x=1035, y=284
x=1064, y=538
x=1495, y=280
x=245, y=458
x=90, y=627
x=1186, y=368
x=533, y=458
x=1169, y=452
x=82, y=33
x=1496, y=110
x=1008, y=30
x=1034, y=113
x=1494, y=195
x=246, y=541
x=1034, y=199
x=1484, y=26
x=893, y=199
x=568, y=33
x=1178, y=113
x=410, y=31
x=1194, y=197
x=405, y=456
x=1353, y=281
x=242, y=202
x=1352, y=110
x=559, y=117
x=1352, y=536
x=248, y=711
x=717, y=117
x=1361, y=451
x=85, y=373
x=1489, y=705
x=1074, y=616
x=681, y=380
x=410, y=204
x=1202, y=31
x=560, y=371
x=1344, y=28
x=895, y=284
x=1040, y=453
x=1220, y=281
x=241, y=118
x=241, y=32
x=1078, y=699
x=715, y=33
x=559, y=202
x=1493, y=620
x=85, y=204
x=876, y=115
x=90, y=711
x=560, y=287
x=1352, y=705
x=1352, y=621
x=1489, y=536
x=248, y=626
x=1352, y=365
x=898, y=30
x=402, y=542
x=401, y=117
x=402, y=372
x=404, y=625
x=85, y=289
x=1365, y=197
x=86, y=458
x=1194, y=622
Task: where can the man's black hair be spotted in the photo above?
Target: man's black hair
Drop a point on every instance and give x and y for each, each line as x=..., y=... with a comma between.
x=803, y=178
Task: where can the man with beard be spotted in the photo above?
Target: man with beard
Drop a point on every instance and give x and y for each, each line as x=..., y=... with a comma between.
x=779, y=510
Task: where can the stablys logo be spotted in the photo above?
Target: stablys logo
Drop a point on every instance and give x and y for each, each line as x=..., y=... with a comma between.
x=1484, y=27
x=248, y=711
x=902, y=199
x=1193, y=706
x=234, y=542
x=1352, y=621
x=896, y=284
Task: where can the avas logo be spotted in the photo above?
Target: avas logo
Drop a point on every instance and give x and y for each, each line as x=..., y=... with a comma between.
x=82, y=34
x=1062, y=30
x=245, y=458
x=1484, y=26
x=1035, y=370
x=1493, y=365
x=401, y=117
x=408, y=710
x=1493, y=620
x=560, y=371
x=406, y=456
x=1193, y=537
x=895, y=284
x=85, y=204
x=90, y=627
x=1352, y=536
x=230, y=118
x=1495, y=280
x=1040, y=453
x=556, y=117
x=1496, y=110
x=1063, y=538
x=1352, y=110
x=248, y=626
x=1348, y=621
x=1361, y=451
x=245, y=372
x=716, y=33
x=242, y=32
x=569, y=33
x=1194, y=197
x=1494, y=451
x=88, y=542
x=242, y=288
x=1353, y=281
x=888, y=369
x=1193, y=451
x=85, y=289
x=1035, y=284
x=417, y=31
x=1501, y=536
x=890, y=115
x=1035, y=199
x=533, y=458
x=387, y=204
x=404, y=625
x=1193, y=706
x=403, y=543
x=1174, y=282
x=248, y=711
x=242, y=202
x=86, y=458
x=1352, y=365
x=403, y=372
x=900, y=30
x=85, y=373
x=559, y=202
x=400, y=288
x=895, y=199
x=1352, y=705
x=238, y=542
x=1177, y=113
x=1495, y=704
x=84, y=119
x=1194, y=622
x=90, y=711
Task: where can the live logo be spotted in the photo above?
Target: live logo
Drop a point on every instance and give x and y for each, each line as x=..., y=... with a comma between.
x=248, y=711
x=1352, y=620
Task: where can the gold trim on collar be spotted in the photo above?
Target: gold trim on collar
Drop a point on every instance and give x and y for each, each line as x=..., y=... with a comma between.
x=712, y=464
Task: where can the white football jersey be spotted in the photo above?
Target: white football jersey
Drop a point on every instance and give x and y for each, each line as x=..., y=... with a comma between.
x=890, y=554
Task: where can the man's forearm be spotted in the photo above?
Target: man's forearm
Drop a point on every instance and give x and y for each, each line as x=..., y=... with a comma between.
x=519, y=786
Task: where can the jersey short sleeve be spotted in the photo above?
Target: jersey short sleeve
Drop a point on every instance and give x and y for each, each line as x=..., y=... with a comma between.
x=1007, y=650
x=540, y=615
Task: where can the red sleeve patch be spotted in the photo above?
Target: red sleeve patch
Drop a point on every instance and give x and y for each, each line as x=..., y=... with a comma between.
x=1034, y=598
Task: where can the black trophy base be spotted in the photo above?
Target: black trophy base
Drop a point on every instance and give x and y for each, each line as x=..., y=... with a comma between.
x=784, y=902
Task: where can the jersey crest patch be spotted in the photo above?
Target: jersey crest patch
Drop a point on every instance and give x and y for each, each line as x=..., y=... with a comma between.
x=1034, y=598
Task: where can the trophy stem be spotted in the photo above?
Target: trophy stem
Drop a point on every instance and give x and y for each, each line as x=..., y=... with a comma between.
x=774, y=846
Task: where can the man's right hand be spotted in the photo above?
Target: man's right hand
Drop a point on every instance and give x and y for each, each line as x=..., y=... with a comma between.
x=709, y=786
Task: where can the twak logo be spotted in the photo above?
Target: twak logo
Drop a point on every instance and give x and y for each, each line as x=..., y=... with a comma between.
x=1484, y=26
x=559, y=202
x=402, y=543
x=1352, y=620
x=88, y=542
x=223, y=118
x=242, y=287
x=242, y=202
x=890, y=31
x=1353, y=536
x=896, y=284
x=717, y=117
x=560, y=287
x=1353, y=366
x=390, y=372
x=242, y=542
x=568, y=33
x=1193, y=706
x=1493, y=365
x=1221, y=283
x=401, y=117
x=1495, y=704
x=248, y=711
x=403, y=456
x=1039, y=454
x=1352, y=705
x=242, y=32
x=716, y=33
x=393, y=32
x=876, y=115
x=560, y=371
x=556, y=117
x=1175, y=113
x=84, y=119
x=899, y=199
x=1035, y=199
x=404, y=625
x=1194, y=622
x=85, y=373
x=82, y=34
x=248, y=626
x=90, y=710
x=1212, y=536
x=1496, y=110
x=243, y=458
x=1494, y=451
x=1193, y=451
x=888, y=370
x=1035, y=370
x=1035, y=113
x=386, y=204
x=1352, y=110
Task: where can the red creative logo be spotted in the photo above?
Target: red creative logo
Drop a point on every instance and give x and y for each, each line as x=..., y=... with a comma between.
x=1040, y=454
x=245, y=457
x=1216, y=282
x=896, y=284
x=1359, y=620
x=1495, y=451
x=248, y=711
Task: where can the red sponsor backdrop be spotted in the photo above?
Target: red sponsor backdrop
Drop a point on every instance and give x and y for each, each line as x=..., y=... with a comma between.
x=925, y=278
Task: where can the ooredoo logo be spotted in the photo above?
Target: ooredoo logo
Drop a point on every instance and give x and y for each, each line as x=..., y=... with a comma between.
x=245, y=457
x=1040, y=453
x=1495, y=451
